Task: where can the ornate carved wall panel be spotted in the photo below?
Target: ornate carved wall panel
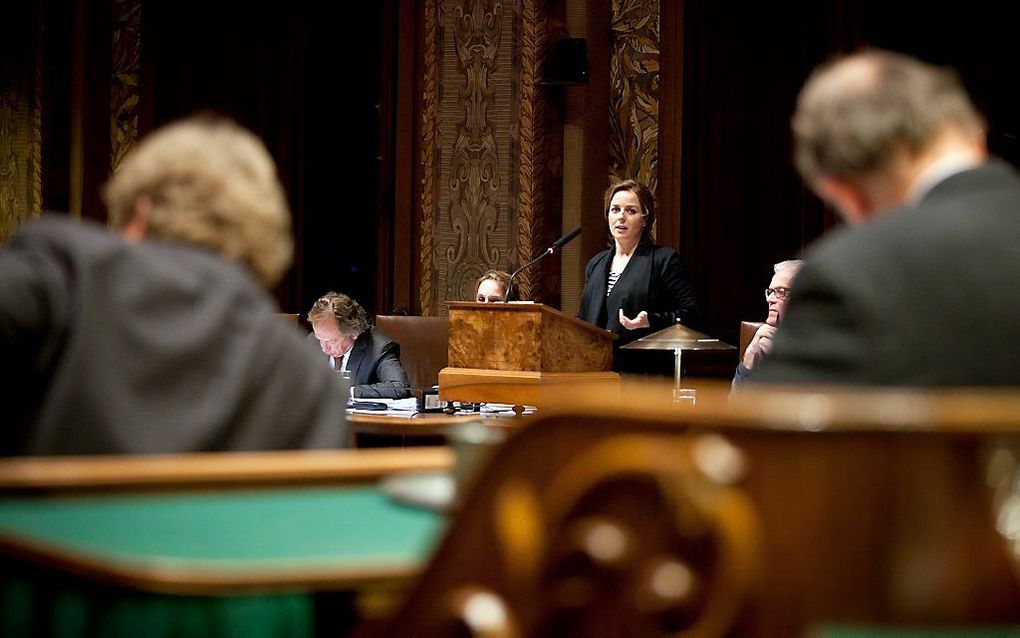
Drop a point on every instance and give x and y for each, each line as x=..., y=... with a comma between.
x=472, y=229
x=528, y=198
x=20, y=115
x=430, y=150
x=482, y=158
x=634, y=91
x=127, y=23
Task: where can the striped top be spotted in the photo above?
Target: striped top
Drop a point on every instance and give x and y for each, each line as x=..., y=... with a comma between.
x=613, y=276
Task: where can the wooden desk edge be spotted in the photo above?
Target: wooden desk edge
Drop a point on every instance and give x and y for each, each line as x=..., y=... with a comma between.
x=220, y=469
x=805, y=408
x=166, y=578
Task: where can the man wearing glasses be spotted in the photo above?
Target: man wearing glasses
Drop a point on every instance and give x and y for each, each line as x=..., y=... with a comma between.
x=776, y=295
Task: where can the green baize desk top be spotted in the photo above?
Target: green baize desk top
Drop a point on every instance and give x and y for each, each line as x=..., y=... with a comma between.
x=225, y=541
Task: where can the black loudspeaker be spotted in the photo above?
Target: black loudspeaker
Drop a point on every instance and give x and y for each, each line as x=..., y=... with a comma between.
x=568, y=63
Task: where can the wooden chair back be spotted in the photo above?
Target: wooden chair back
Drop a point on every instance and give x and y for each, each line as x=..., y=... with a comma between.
x=774, y=514
x=424, y=344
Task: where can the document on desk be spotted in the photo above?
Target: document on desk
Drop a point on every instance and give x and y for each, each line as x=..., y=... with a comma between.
x=497, y=409
x=394, y=407
x=408, y=408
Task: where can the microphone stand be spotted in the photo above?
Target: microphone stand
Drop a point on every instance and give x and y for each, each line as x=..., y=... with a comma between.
x=510, y=284
x=559, y=243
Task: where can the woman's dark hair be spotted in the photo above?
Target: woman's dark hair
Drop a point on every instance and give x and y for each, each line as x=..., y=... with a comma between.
x=644, y=197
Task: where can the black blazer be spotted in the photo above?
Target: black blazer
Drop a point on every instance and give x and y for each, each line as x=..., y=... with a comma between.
x=376, y=371
x=654, y=281
x=927, y=295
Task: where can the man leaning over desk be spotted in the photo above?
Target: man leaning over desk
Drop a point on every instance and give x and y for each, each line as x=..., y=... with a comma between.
x=356, y=349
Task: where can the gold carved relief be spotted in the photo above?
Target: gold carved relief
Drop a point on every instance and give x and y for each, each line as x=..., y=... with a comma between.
x=20, y=117
x=472, y=229
x=13, y=160
x=482, y=155
x=124, y=81
x=530, y=195
x=429, y=151
x=634, y=91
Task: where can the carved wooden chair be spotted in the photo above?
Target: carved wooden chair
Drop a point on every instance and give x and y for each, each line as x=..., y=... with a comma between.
x=573, y=533
x=774, y=514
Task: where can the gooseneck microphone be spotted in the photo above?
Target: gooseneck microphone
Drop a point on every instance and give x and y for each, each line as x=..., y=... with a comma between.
x=559, y=243
x=563, y=241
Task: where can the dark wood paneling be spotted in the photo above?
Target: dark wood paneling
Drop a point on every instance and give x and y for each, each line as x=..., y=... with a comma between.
x=671, y=60
x=282, y=70
x=595, y=170
x=56, y=106
x=741, y=205
x=90, y=106
x=399, y=100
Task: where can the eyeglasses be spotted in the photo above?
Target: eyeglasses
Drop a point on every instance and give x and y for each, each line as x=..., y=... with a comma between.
x=779, y=292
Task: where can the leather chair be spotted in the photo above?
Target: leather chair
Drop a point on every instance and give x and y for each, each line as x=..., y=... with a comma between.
x=424, y=344
x=747, y=330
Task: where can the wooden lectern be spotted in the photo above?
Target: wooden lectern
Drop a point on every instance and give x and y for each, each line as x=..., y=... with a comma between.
x=519, y=352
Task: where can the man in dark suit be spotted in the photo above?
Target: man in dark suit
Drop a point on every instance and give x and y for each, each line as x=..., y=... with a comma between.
x=924, y=289
x=354, y=348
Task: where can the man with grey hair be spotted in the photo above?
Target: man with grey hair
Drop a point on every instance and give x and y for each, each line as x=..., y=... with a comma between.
x=159, y=338
x=775, y=295
x=924, y=288
x=354, y=348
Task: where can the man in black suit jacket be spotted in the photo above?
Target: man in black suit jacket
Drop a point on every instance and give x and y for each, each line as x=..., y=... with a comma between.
x=924, y=290
x=340, y=325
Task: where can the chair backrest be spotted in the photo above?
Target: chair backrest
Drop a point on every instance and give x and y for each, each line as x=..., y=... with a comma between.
x=747, y=330
x=575, y=533
x=294, y=319
x=424, y=345
x=771, y=517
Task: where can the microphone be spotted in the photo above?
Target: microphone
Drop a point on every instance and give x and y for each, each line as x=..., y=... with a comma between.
x=559, y=243
x=562, y=241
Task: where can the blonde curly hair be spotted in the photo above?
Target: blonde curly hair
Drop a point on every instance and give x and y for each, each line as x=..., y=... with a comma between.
x=212, y=183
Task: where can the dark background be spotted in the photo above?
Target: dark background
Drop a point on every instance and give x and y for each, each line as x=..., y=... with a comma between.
x=318, y=82
x=306, y=78
x=743, y=207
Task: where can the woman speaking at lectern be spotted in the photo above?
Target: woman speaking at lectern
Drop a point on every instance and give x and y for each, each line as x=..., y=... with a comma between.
x=636, y=287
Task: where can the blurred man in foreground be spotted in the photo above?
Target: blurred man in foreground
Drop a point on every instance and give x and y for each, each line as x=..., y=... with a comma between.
x=924, y=289
x=161, y=338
